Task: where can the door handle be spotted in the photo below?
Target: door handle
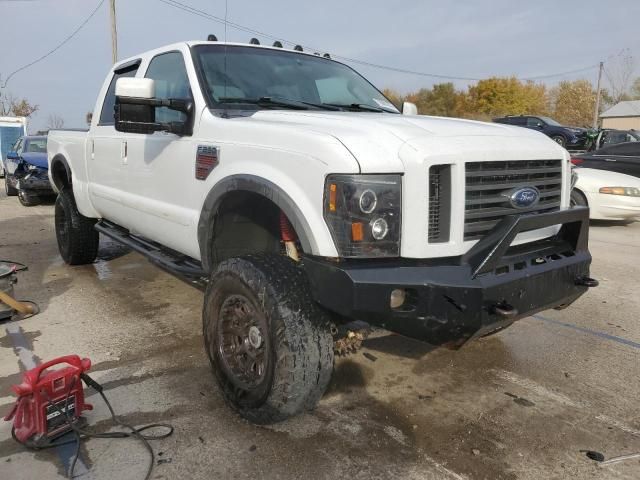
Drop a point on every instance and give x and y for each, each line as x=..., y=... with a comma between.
x=124, y=152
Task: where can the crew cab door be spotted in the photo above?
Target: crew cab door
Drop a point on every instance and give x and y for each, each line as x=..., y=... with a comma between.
x=161, y=165
x=106, y=156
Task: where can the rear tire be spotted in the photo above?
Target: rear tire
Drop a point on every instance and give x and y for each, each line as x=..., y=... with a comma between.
x=268, y=342
x=11, y=191
x=578, y=199
x=27, y=199
x=77, y=239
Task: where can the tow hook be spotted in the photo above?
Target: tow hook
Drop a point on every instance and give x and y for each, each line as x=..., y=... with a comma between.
x=504, y=310
x=587, y=282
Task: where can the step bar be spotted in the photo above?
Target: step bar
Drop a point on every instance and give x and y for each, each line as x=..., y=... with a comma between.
x=183, y=266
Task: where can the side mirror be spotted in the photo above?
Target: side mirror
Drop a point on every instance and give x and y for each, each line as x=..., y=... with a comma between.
x=409, y=108
x=12, y=156
x=135, y=108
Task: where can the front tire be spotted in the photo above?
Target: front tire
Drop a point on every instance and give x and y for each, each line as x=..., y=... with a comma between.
x=11, y=191
x=268, y=342
x=77, y=239
x=578, y=199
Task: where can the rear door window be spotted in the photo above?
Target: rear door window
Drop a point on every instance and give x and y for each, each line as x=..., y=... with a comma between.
x=106, y=115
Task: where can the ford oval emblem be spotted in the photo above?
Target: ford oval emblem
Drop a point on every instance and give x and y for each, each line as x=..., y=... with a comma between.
x=525, y=197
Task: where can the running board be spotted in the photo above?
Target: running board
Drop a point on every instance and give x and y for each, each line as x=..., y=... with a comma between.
x=175, y=262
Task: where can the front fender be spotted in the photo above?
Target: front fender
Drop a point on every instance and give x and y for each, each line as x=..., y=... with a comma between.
x=263, y=187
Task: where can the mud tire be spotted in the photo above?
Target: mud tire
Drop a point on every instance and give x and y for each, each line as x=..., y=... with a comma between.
x=77, y=239
x=299, y=347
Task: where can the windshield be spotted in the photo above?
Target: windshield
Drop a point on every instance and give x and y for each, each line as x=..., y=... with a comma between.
x=36, y=145
x=252, y=74
x=550, y=121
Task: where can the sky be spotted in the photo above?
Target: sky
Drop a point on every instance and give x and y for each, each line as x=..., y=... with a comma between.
x=465, y=38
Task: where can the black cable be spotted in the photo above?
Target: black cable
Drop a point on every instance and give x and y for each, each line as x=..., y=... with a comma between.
x=203, y=14
x=57, y=47
x=82, y=434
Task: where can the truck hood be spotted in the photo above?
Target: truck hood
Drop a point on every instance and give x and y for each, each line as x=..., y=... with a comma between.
x=35, y=158
x=376, y=139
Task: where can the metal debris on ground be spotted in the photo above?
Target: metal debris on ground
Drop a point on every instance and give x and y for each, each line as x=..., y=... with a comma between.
x=371, y=357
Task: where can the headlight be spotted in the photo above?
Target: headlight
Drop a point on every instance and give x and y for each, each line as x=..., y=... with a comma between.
x=626, y=191
x=363, y=213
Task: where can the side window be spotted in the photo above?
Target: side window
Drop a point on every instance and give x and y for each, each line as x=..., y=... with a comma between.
x=106, y=115
x=520, y=121
x=171, y=81
x=534, y=122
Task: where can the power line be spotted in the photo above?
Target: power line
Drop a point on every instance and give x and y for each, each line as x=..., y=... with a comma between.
x=57, y=47
x=201, y=13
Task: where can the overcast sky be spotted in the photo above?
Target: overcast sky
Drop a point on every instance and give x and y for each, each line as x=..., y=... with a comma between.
x=461, y=38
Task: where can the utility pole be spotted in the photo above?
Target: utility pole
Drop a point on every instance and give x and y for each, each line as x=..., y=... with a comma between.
x=597, y=110
x=114, y=32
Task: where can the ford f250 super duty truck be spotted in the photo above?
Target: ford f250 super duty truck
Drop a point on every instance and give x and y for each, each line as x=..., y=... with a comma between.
x=303, y=197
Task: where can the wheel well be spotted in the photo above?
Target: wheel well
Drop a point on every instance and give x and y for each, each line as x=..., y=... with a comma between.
x=60, y=173
x=244, y=223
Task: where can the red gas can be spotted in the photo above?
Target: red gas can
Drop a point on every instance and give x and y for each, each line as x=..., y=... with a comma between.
x=48, y=399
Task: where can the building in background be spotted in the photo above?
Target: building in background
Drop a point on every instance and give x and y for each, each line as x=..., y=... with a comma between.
x=622, y=116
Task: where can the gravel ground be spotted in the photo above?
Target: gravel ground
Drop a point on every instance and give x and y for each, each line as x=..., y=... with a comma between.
x=521, y=404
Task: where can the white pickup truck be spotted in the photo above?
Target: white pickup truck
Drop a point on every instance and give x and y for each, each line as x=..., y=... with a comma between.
x=302, y=197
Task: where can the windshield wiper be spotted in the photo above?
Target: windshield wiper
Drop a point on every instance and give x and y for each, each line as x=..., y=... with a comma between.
x=278, y=102
x=362, y=107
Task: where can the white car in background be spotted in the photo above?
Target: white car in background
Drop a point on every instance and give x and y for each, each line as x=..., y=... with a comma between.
x=609, y=195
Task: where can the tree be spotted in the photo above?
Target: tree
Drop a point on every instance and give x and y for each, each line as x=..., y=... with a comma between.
x=394, y=97
x=635, y=89
x=55, y=122
x=441, y=100
x=572, y=102
x=618, y=73
x=10, y=105
x=506, y=96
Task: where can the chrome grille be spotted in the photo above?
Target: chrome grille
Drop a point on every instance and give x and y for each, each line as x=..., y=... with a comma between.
x=439, y=203
x=487, y=183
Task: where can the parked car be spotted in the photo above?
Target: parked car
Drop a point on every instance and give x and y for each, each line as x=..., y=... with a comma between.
x=302, y=197
x=620, y=157
x=572, y=138
x=11, y=128
x=609, y=136
x=609, y=195
x=27, y=170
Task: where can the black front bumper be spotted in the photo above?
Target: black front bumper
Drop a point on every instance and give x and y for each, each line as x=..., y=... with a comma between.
x=35, y=182
x=452, y=300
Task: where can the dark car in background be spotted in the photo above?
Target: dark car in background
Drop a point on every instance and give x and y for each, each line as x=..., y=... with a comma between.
x=26, y=170
x=572, y=138
x=619, y=157
x=610, y=136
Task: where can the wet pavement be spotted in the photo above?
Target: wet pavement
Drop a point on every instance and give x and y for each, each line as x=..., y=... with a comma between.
x=521, y=404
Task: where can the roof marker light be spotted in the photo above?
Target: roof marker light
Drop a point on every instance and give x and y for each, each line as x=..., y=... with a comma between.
x=254, y=41
x=277, y=44
x=212, y=38
x=298, y=48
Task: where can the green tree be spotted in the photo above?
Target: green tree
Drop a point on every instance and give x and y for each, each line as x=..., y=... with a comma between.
x=573, y=102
